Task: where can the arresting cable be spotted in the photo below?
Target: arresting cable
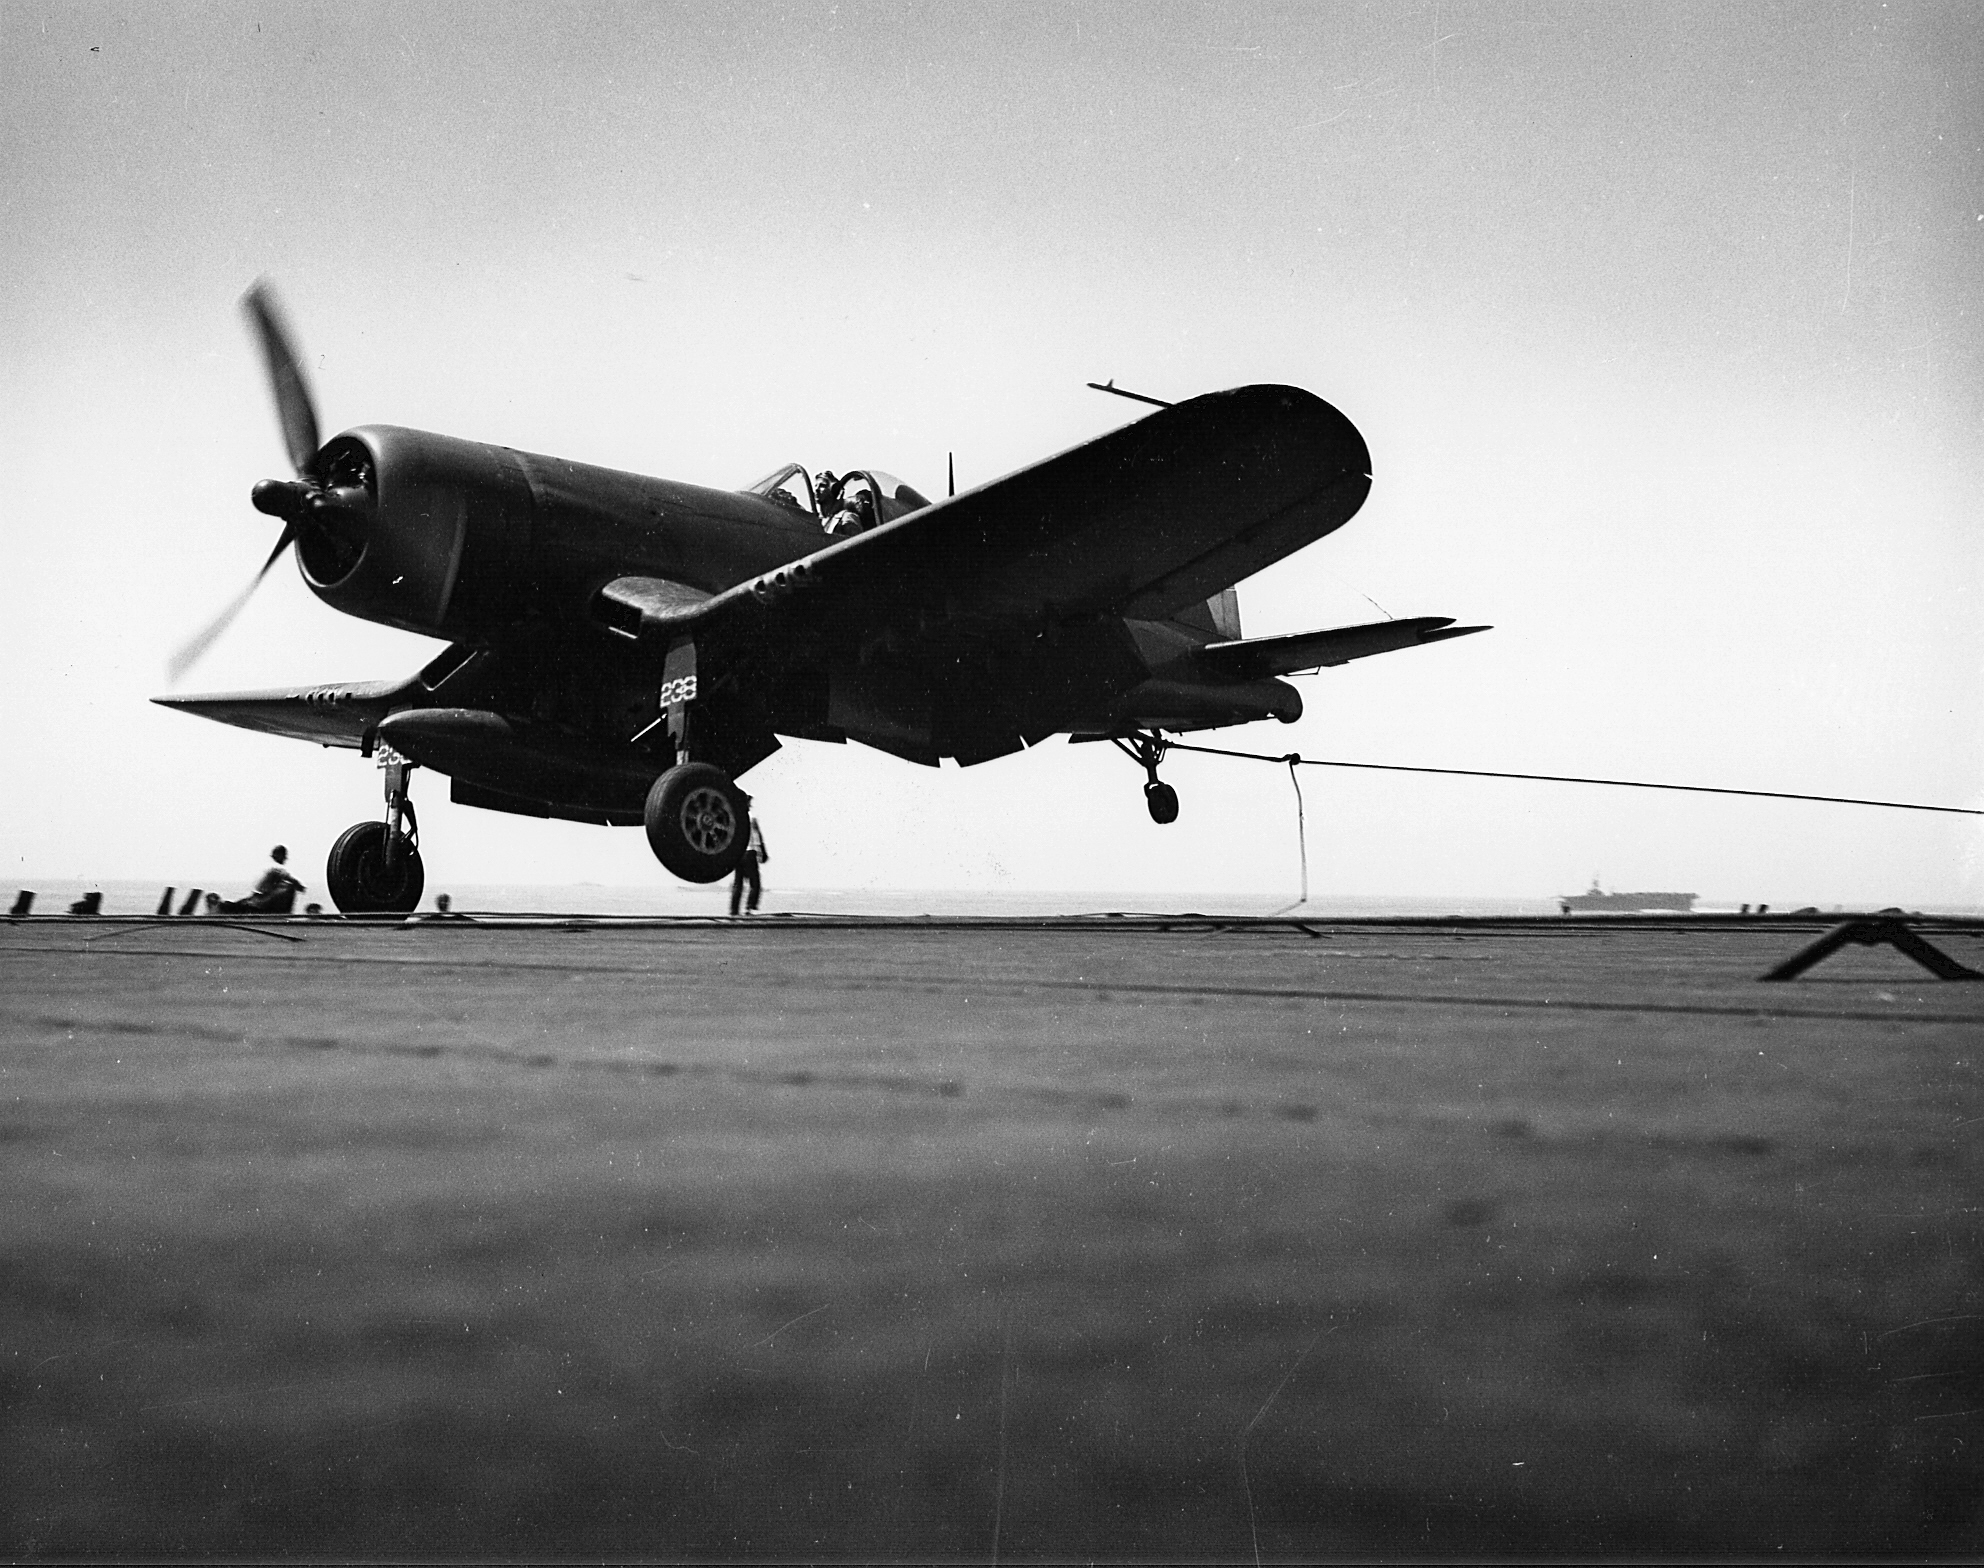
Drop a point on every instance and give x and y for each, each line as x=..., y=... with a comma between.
x=1296, y=759
x=1301, y=831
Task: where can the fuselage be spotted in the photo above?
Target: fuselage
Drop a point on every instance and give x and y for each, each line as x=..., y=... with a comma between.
x=466, y=539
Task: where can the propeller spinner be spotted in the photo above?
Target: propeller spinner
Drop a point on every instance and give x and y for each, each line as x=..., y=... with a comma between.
x=305, y=502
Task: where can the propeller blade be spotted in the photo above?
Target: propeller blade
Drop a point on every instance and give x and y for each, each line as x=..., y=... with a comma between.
x=196, y=647
x=294, y=407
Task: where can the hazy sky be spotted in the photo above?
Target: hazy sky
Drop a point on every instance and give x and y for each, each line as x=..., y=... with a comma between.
x=1661, y=323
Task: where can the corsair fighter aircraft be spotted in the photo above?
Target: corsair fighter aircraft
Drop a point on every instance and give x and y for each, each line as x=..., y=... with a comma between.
x=621, y=650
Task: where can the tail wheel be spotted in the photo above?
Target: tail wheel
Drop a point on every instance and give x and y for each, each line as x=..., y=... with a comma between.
x=698, y=822
x=1146, y=748
x=364, y=882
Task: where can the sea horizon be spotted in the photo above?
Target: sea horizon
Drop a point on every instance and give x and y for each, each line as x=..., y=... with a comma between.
x=133, y=896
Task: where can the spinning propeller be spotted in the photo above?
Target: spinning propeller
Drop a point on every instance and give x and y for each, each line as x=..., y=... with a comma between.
x=307, y=502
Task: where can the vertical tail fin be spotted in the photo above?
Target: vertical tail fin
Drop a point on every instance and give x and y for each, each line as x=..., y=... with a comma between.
x=1219, y=615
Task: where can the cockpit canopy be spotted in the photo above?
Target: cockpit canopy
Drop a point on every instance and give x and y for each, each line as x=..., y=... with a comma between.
x=792, y=487
x=789, y=486
x=893, y=498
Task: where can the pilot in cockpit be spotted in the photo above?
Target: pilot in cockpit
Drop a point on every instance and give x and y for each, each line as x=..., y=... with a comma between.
x=826, y=494
x=856, y=514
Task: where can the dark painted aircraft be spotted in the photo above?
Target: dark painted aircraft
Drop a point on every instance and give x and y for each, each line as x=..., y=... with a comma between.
x=621, y=650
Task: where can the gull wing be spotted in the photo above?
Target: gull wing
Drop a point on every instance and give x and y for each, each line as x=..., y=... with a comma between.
x=340, y=715
x=1160, y=514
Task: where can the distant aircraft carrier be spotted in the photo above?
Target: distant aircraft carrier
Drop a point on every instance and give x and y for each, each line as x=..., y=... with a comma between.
x=1595, y=900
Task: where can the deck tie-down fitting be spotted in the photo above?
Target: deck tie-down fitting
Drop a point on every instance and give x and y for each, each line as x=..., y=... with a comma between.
x=1874, y=931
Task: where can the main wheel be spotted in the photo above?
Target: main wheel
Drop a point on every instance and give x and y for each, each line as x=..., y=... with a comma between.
x=1163, y=802
x=360, y=880
x=698, y=823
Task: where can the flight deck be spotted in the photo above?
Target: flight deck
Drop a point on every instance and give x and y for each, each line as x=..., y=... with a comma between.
x=829, y=1237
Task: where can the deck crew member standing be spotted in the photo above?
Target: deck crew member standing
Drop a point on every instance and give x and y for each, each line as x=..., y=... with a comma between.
x=747, y=871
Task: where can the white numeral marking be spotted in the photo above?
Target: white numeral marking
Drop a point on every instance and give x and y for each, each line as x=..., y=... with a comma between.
x=681, y=689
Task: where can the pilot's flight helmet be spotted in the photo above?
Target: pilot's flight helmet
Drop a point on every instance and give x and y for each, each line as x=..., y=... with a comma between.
x=279, y=854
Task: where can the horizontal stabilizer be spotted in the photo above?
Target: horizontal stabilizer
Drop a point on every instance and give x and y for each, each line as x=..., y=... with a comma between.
x=1261, y=656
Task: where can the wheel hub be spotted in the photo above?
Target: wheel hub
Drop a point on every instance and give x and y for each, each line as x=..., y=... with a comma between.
x=707, y=820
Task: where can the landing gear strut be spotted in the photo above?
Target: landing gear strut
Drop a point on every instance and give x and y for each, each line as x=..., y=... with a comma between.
x=698, y=820
x=375, y=866
x=1147, y=747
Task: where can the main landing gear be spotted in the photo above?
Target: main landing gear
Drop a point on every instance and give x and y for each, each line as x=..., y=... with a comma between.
x=698, y=822
x=375, y=867
x=1147, y=748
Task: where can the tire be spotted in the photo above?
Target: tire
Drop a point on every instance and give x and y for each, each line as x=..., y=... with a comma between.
x=698, y=822
x=1163, y=802
x=361, y=883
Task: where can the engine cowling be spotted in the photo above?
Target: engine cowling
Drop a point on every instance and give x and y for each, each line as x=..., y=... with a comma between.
x=444, y=538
